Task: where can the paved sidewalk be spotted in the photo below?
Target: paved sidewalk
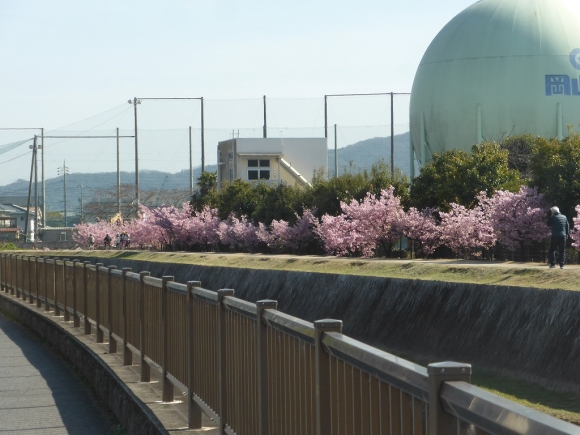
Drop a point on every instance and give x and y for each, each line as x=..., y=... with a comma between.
x=39, y=394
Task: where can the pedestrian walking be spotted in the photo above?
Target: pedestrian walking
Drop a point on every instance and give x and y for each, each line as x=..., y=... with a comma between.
x=107, y=242
x=560, y=228
x=91, y=242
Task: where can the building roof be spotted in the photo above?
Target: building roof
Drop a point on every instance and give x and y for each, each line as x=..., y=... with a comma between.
x=13, y=209
x=246, y=154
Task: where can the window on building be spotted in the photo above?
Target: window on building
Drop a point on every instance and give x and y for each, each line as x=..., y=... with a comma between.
x=7, y=223
x=258, y=169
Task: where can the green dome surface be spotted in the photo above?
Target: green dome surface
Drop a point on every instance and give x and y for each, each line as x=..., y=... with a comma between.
x=499, y=68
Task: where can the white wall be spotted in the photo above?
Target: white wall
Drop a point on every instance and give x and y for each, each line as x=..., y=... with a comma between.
x=304, y=154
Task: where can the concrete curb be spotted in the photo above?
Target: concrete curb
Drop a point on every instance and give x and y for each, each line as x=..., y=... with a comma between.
x=132, y=413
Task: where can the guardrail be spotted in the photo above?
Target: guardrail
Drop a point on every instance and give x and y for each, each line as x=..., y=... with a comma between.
x=256, y=370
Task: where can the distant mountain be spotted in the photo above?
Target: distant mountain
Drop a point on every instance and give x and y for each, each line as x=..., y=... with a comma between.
x=365, y=153
x=353, y=158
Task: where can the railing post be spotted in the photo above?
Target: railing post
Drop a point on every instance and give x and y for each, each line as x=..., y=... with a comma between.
x=5, y=275
x=440, y=422
x=45, y=274
x=32, y=280
x=98, y=332
x=127, y=354
x=112, y=341
x=28, y=279
x=145, y=369
x=56, y=308
x=23, y=269
x=167, y=385
x=193, y=409
x=20, y=287
x=11, y=274
x=86, y=322
x=222, y=357
x=65, y=291
x=2, y=270
x=14, y=275
x=18, y=276
x=262, y=348
x=36, y=277
x=76, y=318
x=322, y=374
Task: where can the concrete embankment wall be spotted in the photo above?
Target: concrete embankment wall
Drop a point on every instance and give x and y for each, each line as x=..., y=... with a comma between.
x=528, y=333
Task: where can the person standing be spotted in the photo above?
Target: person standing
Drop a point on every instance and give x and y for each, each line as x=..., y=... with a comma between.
x=558, y=223
x=91, y=242
x=107, y=241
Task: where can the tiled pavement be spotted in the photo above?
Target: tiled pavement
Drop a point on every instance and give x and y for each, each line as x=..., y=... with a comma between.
x=39, y=394
x=53, y=410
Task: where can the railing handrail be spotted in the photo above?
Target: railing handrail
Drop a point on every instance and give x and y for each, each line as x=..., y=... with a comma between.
x=496, y=414
x=405, y=375
x=291, y=325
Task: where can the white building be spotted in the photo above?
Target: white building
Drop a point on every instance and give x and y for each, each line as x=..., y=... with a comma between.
x=271, y=160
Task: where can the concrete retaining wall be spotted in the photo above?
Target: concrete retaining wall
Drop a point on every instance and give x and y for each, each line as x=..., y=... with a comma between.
x=527, y=333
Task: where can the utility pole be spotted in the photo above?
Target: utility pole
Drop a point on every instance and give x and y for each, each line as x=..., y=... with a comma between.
x=118, y=175
x=81, y=199
x=35, y=187
x=392, y=136
x=265, y=121
x=43, y=183
x=335, y=153
x=202, y=139
x=35, y=148
x=63, y=171
x=136, y=101
x=27, y=229
x=190, y=164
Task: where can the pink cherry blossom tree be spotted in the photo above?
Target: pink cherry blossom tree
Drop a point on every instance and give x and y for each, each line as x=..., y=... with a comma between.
x=575, y=232
x=519, y=218
x=363, y=226
x=466, y=232
x=302, y=234
x=238, y=233
x=423, y=227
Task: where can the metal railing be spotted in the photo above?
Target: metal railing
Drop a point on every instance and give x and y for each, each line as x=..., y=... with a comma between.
x=256, y=370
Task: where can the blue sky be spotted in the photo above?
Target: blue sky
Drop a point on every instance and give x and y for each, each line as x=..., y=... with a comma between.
x=65, y=61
